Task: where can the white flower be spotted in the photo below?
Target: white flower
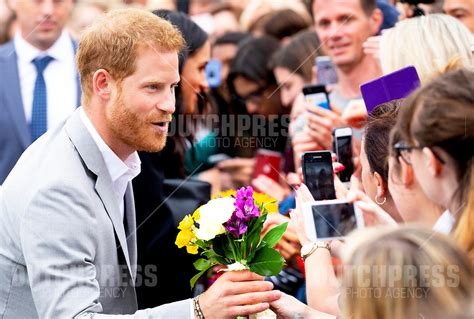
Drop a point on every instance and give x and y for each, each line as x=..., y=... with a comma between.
x=236, y=267
x=212, y=215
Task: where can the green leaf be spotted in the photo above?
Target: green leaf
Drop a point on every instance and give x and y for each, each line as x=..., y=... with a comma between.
x=202, y=264
x=195, y=278
x=274, y=235
x=222, y=247
x=267, y=262
x=254, y=237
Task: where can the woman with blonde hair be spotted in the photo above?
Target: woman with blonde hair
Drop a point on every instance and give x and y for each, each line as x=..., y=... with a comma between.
x=434, y=44
x=407, y=272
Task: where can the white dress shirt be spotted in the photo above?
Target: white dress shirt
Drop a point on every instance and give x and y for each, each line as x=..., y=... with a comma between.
x=120, y=172
x=60, y=77
x=445, y=223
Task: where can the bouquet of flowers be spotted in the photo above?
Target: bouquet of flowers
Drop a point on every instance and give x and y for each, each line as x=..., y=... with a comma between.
x=227, y=230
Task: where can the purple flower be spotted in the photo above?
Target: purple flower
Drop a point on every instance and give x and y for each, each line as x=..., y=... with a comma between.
x=236, y=226
x=245, y=205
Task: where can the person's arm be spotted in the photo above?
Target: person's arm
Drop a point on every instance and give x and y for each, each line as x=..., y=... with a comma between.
x=322, y=286
x=59, y=242
x=288, y=307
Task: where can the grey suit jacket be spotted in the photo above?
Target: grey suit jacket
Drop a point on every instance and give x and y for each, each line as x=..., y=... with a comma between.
x=14, y=130
x=63, y=246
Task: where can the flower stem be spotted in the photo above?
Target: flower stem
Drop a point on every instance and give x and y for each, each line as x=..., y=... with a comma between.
x=231, y=242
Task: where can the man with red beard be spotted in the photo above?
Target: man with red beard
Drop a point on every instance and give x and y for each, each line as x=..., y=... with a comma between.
x=67, y=216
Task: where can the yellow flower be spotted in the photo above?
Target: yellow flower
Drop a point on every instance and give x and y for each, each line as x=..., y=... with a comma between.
x=270, y=203
x=227, y=193
x=192, y=249
x=184, y=238
x=197, y=215
x=187, y=223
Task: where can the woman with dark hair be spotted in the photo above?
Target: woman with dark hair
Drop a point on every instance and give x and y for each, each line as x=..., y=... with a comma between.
x=437, y=140
x=293, y=64
x=170, y=267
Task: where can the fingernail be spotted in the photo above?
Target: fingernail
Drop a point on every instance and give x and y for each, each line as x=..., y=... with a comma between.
x=340, y=168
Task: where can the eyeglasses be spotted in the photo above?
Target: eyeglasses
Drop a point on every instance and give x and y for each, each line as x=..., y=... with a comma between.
x=403, y=151
x=254, y=96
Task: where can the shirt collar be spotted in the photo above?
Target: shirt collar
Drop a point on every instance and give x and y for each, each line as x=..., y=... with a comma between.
x=59, y=50
x=115, y=166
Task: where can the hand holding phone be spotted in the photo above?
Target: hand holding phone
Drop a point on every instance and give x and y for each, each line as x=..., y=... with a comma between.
x=331, y=220
x=317, y=96
x=318, y=174
x=268, y=163
x=343, y=150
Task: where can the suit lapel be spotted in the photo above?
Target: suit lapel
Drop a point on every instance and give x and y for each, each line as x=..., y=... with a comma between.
x=92, y=158
x=12, y=93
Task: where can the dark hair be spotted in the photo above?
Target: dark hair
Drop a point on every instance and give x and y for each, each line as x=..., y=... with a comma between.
x=251, y=61
x=194, y=36
x=231, y=38
x=441, y=114
x=367, y=5
x=377, y=135
x=298, y=55
x=284, y=23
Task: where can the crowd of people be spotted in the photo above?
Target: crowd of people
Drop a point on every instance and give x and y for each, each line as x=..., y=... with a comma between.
x=117, y=118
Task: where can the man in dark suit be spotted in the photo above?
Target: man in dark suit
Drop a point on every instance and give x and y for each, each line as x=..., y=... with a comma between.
x=39, y=84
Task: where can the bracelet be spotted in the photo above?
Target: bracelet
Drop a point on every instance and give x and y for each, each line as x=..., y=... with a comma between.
x=313, y=248
x=197, y=308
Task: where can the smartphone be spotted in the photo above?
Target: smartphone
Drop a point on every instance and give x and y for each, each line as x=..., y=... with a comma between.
x=268, y=163
x=343, y=149
x=326, y=70
x=316, y=95
x=318, y=174
x=213, y=73
x=395, y=85
x=330, y=220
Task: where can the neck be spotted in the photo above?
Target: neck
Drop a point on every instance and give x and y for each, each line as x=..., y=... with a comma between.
x=427, y=212
x=392, y=210
x=122, y=150
x=351, y=77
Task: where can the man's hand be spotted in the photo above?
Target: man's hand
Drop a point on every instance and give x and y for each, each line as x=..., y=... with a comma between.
x=321, y=122
x=240, y=170
x=237, y=293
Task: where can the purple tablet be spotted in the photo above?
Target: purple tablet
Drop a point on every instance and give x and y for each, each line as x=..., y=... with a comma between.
x=395, y=85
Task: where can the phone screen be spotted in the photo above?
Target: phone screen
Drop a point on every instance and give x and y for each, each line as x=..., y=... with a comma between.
x=344, y=156
x=334, y=220
x=317, y=99
x=318, y=176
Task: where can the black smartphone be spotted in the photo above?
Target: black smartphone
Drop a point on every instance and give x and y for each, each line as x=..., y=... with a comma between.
x=316, y=95
x=343, y=149
x=318, y=174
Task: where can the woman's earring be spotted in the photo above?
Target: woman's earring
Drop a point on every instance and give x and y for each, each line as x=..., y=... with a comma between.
x=377, y=200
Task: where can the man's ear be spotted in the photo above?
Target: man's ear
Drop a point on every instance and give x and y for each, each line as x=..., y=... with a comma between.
x=432, y=163
x=407, y=174
x=102, y=82
x=376, y=20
